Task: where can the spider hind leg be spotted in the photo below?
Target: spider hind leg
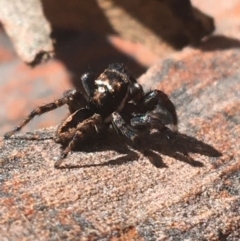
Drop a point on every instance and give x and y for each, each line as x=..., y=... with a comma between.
x=68, y=127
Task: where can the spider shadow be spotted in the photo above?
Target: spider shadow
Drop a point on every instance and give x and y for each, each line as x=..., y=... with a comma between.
x=156, y=145
x=178, y=146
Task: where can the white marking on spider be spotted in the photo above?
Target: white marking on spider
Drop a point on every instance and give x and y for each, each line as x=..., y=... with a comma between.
x=101, y=89
x=104, y=83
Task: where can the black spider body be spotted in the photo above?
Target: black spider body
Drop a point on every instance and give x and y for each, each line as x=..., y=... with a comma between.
x=110, y=91
x=113, y=98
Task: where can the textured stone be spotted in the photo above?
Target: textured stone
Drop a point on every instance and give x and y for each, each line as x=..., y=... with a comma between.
x=187, y=189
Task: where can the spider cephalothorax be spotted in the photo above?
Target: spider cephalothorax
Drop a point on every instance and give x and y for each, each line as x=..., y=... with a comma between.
x=110, y=91
x=113, y=98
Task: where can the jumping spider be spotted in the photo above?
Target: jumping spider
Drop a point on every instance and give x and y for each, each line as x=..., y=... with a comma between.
x=113, y=98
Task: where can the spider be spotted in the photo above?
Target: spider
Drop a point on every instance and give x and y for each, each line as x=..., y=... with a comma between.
x=113, y=98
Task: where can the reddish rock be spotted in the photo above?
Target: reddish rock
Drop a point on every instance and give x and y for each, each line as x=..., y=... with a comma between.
x=187, y=190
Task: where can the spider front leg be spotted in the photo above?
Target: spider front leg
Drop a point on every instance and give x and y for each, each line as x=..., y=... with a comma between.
x=156, y=119
x=69, y=97
x=66, y=130
x=83, y=131
x=155, y=111
x=126, y=130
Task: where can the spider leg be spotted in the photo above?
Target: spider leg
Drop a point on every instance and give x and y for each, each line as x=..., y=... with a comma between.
x=146, y=121
x=155, y=119
x=75, y=100
x=67, y=128
x=126, y=130
x=84, y=131
x=163, y=104
x=156, y=110
x=68, y=98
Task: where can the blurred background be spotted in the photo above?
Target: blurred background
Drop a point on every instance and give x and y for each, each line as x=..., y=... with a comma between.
x=89, y=35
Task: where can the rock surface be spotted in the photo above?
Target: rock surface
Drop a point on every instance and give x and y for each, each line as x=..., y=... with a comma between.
x=187, y=189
